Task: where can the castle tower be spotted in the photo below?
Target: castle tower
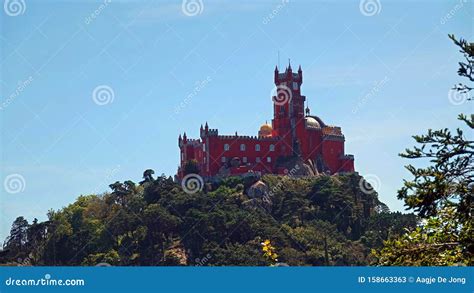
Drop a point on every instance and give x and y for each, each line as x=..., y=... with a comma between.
x=288, y=106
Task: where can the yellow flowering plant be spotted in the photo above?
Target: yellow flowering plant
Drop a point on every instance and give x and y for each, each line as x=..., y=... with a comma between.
x=269, y=251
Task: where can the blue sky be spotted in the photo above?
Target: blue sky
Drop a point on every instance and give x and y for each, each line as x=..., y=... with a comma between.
x=382, y=75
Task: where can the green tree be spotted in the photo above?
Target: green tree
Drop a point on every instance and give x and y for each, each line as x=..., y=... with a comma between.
x=148, y=176
x=17, y=242
x=466, y=69
x=442, y=193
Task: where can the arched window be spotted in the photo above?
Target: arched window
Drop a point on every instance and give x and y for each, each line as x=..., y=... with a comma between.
x=272, y=148
x=269, y=159
x=257, y=147
x=226, y=147
x=242, y=147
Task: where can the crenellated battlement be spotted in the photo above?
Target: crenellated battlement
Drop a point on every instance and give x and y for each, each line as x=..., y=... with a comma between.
x=208, y=132
x=332, y=130
x=333, y=137
x=213, y=132
x=347, y=157
x=248, y=137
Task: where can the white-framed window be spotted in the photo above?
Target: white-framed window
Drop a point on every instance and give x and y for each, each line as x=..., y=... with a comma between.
x=257, y=159
x=226, y=147
x=242, y=147
x=295, y=85
x=244, y=159
x=203, y=147
x=272, y=148
x=257, y=147
x=223, y=159
x=269, y=159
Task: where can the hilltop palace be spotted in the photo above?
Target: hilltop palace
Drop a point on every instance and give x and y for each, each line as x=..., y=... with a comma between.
x=294, y=137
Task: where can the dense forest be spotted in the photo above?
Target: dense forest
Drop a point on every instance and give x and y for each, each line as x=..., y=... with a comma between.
x=325, y=220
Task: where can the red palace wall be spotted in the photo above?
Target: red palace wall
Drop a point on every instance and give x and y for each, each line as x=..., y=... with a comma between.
x=249, y=156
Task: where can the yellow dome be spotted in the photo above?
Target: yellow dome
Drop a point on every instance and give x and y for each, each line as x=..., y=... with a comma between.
x=265, y=130
x=266, y=127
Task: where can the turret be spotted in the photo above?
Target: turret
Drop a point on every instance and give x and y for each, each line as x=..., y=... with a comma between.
x=300, y=74
x=276, y=74
x=185, y=138
x=289, y=70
